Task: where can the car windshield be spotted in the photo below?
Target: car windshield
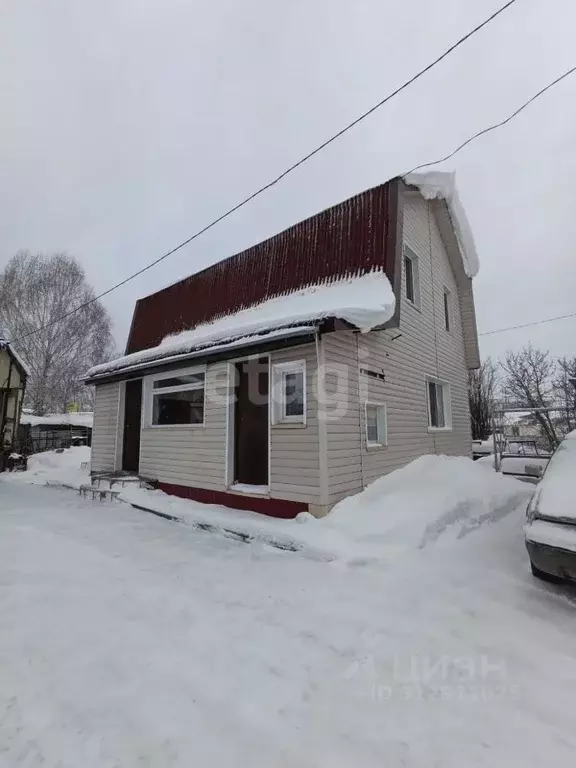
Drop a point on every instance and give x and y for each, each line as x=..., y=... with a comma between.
x=557, y=490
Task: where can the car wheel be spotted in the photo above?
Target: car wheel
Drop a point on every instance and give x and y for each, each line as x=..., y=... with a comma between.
x=543, y=576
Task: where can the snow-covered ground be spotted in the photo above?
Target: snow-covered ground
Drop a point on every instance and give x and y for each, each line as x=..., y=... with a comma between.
x=434, y=497
x=54, y=468
x=127, y=640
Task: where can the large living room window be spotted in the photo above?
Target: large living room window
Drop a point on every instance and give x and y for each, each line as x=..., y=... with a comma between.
x=178, y=398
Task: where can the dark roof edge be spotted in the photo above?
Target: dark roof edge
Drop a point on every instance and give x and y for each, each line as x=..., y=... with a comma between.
x=271, y=237
x=258, y=345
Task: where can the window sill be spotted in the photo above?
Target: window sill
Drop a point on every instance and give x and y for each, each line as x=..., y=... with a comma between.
x=376, y=446
x=200, y=425
x=439, y=429
x=290, y=424
x=412, y=304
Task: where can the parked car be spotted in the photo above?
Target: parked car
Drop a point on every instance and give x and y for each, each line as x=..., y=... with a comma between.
x=551, y=517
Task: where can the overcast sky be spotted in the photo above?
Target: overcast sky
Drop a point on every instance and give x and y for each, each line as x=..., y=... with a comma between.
x=126, y=125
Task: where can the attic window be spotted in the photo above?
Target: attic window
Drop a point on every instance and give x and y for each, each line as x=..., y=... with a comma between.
x=411, y=276
x=447, y=309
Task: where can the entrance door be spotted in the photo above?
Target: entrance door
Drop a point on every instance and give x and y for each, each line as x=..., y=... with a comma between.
x=132, y=421
x=251, y=423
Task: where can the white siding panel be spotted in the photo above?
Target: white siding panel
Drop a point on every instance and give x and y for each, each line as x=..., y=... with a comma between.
x=196, y=455
x=294, y=450
x=105, y=427
x=343, y=416
x=420, y=347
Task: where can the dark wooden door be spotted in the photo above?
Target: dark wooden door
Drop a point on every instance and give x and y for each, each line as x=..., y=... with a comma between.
x=132, y=422
x=251, y=423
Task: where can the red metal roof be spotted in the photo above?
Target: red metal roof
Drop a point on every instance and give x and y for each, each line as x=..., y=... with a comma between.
x=350, y=238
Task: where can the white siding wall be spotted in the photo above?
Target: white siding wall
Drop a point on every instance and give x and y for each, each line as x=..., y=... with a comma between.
x=197, y=456
x=342, y=414
x=189, y=455
x=294, y=451
x=105, y=427
x=423, y=348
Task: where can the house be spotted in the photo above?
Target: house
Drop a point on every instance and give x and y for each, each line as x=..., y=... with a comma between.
x=13, y=375
x=55, y=430
x=291, y=375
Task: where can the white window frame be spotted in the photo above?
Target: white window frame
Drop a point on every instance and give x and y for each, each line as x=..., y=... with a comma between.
x=278, y=413
x=151, y=392
x=447, y=309
x=382, y=441
x=409, y=254
x=446, y=402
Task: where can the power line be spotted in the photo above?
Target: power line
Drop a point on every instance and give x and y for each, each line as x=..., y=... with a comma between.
x=527, y=325
x=293, y=167
x=496, y=125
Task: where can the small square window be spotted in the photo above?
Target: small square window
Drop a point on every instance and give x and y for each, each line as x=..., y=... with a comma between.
x=289, y=393
x=439, y=412
x=376, y=425
x=411, y=277
x=447, y=309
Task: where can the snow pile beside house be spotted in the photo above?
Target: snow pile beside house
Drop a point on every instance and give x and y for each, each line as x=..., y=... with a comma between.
x=54, y=468
x=442, y=185
x=366, y=302
x=433, y=498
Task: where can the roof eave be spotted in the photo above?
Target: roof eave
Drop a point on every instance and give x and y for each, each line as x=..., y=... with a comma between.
x=256, y=344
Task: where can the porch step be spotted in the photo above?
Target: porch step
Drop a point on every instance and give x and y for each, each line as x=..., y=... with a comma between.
x=103, y=494
x=107, y=480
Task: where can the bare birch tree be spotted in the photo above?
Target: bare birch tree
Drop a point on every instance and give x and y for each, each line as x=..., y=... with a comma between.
x=481, y=386
x=565, y=391
x=36, y=290
x=529, y=381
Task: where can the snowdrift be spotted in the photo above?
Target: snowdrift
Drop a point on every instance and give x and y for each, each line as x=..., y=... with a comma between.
x=432, y=500
x=54, y=468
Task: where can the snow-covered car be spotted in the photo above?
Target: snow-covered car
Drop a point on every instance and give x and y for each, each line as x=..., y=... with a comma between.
x=551, y=517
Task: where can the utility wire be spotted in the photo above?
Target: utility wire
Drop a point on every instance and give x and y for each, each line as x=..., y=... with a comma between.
x=484, y=131
x=293, y=167
x=527, y=325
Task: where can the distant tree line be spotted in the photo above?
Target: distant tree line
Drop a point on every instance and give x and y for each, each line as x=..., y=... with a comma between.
x=529, y=378
x=35, y=291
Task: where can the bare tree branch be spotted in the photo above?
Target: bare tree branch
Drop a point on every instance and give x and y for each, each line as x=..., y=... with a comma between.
x=34, y=291
x=481, y=386
x=529, y=380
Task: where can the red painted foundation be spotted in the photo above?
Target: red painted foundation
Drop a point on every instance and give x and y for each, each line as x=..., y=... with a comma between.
x=263, y=505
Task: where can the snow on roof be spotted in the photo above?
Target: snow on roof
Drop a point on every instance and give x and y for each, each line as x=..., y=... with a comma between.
x=75, y=419
x=442, y=185
x=366, y=302
x=15, y=355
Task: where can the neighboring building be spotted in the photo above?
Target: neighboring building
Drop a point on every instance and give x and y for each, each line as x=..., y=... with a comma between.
x=55, y=430
x=291, y=375
x=13, y=375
